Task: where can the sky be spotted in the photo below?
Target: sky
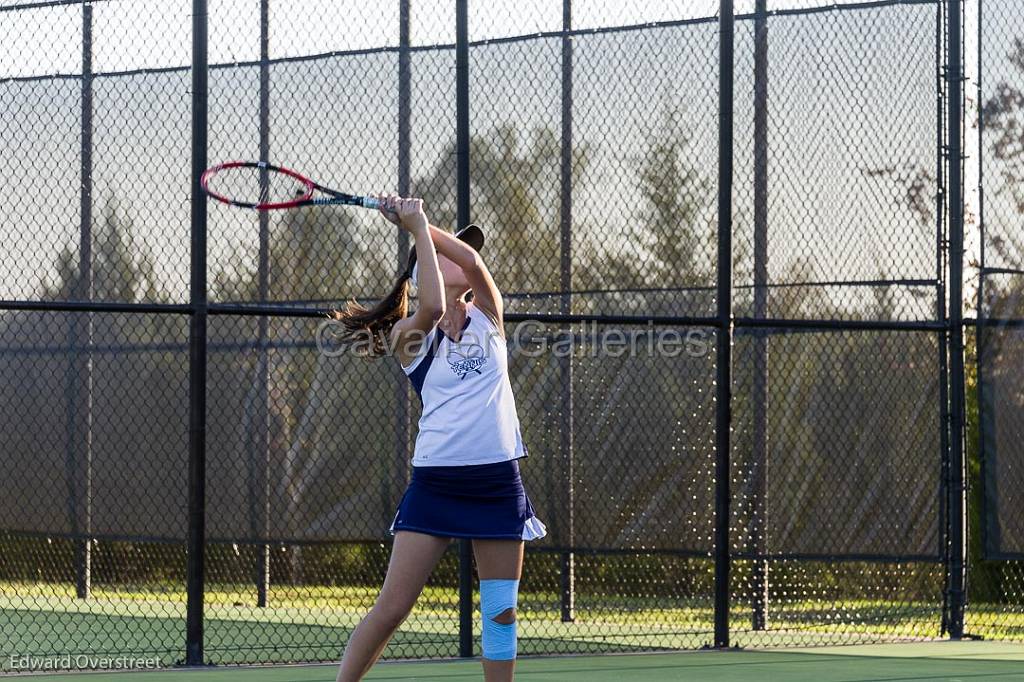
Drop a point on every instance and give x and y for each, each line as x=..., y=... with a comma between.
x=677, y=74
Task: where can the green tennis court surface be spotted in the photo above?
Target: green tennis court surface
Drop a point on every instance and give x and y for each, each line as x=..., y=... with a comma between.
x=947, y=661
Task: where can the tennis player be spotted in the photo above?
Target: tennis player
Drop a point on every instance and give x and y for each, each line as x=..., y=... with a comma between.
x=465, y=477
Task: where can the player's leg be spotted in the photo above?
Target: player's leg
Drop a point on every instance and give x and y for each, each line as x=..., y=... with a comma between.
x=413, y=557
x=499, y=564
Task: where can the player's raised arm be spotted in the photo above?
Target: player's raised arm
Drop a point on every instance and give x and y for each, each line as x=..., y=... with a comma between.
x=486, y=296
x=430, y=309
x=385, y=327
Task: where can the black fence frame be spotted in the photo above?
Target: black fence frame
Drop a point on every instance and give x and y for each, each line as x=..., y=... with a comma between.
x=950, y=327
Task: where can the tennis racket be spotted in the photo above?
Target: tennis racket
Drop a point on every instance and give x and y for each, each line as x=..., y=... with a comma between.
x=266, y=187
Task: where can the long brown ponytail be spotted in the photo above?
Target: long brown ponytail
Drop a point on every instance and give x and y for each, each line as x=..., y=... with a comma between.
x=369, y=329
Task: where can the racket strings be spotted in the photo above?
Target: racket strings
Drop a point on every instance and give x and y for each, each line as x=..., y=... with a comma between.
x=256, y=185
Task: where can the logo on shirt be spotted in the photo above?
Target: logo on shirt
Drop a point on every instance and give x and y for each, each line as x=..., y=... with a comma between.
x=466, y=358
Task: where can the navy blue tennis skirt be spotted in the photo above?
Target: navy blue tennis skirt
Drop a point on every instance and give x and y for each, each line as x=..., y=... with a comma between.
x=485, y=501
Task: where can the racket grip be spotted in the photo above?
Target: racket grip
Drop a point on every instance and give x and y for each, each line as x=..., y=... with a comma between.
x=371, y=202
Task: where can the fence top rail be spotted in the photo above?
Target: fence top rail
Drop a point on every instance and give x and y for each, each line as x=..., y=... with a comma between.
x=384, y=49
x=867, y=4
x=836, y=7
x=43, y=4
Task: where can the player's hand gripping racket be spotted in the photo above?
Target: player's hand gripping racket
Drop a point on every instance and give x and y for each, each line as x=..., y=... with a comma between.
x=265, y=187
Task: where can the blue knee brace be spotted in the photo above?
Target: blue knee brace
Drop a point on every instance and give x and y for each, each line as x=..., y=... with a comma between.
x=499, y=639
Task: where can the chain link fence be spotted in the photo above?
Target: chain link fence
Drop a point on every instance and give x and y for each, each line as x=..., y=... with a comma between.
x=590, y=132
x=999, y=548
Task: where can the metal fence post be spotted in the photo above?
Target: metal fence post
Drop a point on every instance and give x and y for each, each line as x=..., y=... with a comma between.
x=197, y=346
x=463, y=218
x=261, y=479
x=723, y=367
x=79, y=380
x=402, y=397
x=568, y=560
x=957, y=506
x=759, y=397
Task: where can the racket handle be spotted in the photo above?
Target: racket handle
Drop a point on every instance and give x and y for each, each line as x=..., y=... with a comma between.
x=346, y=200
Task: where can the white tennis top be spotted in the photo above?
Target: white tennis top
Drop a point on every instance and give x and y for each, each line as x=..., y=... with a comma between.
x=469, y=413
